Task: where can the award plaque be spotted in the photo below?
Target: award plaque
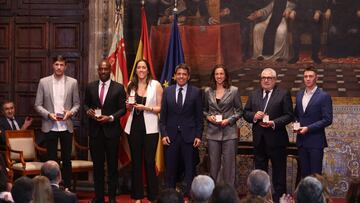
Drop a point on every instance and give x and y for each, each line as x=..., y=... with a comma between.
x=296, y=126
x=218, y=118
x=266, y=119
x=97, y=112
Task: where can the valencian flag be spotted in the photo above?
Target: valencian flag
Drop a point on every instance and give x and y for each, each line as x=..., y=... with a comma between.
x=144, y=51
x=175, y=55
x=119, y=73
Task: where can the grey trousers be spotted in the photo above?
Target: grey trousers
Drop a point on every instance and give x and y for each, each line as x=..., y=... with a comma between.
x=223, y=153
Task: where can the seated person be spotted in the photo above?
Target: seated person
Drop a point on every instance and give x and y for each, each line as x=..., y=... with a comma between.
x=271, y=25
x=22, y=190
x=9, y=122
x=344, y=31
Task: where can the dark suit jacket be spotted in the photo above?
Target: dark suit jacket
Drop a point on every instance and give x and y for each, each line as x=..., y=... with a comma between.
x=188, y=120
x=61, y=196
x=4, y=125
x=279, y=109
x=114, y=104
x=318, y=115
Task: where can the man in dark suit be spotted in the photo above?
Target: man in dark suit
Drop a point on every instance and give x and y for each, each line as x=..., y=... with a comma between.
x=181, y=126
x=307, y=18
x=314, y=112
x=269, y=109
x=104, y=105
x=51, y=170
x=10, y=122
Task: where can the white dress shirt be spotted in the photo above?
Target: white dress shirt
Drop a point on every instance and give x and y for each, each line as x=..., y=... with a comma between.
x=184, y=90
x=59, y=101
x=307, y=96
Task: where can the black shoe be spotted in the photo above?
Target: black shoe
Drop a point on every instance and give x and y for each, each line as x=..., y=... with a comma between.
x=293, y=60
x=316, y=59
x=260, y=58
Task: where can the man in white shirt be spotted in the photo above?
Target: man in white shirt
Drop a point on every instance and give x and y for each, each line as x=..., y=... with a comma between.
x=57, y=101
x=314, y=112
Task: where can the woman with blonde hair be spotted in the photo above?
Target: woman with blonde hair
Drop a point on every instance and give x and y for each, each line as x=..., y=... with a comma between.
x=42, y=190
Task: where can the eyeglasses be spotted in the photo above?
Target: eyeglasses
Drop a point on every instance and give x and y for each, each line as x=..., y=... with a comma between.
x=267, y=78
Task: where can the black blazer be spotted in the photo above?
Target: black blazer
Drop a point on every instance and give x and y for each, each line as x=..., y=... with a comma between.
x=114, y=104
x=61, y=196
x=4, y=125
x=188, y=120
x=279, y=109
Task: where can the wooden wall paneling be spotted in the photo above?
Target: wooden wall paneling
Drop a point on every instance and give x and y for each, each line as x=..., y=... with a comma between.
x=5, y=69
x=51, y=4
x=28, y=71
x=24, y=102
x=5, y=34
x=5, y=4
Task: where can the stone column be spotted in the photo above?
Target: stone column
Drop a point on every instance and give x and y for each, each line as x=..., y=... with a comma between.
x=101, y=28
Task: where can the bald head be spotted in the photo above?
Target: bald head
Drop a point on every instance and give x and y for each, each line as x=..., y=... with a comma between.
x=51, y=170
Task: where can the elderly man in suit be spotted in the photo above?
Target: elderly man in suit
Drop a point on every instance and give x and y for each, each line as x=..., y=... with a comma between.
x=313, y=110
x=11, y=122
x=222, y=108
x=51, y=170
x=57, y=101
x=104, y=105
x=269, y=110
x=181, y=126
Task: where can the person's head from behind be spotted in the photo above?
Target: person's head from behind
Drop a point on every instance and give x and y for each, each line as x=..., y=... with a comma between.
x=42, y=190
x=324, y=183
x=310, y=190
x=51, y=170
x=258, y=183
x=170, y=196
x=224, y=193
x=353, y=194
x=201, y=188
x=22, y=190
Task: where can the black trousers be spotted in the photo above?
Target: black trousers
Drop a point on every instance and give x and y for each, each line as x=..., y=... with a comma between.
x=143, y=151
x=101, y=148
x=51, y=143
x=277, y=156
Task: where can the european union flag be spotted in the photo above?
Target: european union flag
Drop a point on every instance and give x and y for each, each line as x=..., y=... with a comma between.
x=175, y=55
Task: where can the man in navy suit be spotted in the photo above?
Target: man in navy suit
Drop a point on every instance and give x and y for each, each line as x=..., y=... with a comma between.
x=181, y=124
x=314, y=112
x=269, y=109
x=10, y=122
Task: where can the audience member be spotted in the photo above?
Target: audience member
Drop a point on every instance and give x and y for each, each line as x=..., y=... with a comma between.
x=310, y=190
x=259, y=186
x=201, y=188
x=5, y=195
x=10, y=122
x=324, y=183
x=224, y=193
x=42, y=190
x=353, y=194
x=51, y=170
x=22, y=190
x=170, y=195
